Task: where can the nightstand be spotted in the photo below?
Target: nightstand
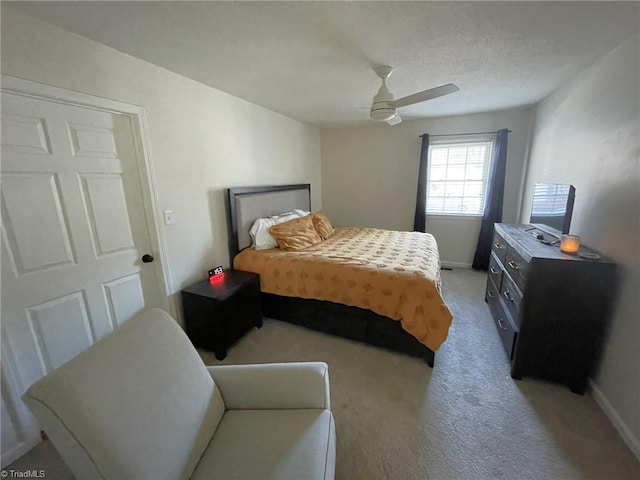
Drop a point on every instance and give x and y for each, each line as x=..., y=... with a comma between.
x=218, y=312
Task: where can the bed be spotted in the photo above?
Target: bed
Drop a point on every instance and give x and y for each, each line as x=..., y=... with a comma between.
x=376, y=286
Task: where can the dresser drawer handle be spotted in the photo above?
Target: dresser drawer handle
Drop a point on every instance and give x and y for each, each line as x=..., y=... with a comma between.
x=502, y=327
x=493, y=271
x=498, y=246
x=507, y=295
x=514, y=265
x=490, y=294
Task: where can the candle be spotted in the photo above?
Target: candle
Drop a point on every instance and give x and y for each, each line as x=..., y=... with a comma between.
x=569, y=244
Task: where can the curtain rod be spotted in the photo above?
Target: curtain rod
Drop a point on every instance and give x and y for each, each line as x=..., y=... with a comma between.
x=460, y=134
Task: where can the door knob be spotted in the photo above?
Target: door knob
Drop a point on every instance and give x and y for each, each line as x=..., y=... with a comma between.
x=146, y=258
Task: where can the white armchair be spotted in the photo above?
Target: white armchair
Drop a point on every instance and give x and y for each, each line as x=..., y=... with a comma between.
x=140, y=404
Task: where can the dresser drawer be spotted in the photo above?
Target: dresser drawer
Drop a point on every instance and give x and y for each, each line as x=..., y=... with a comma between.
x=511, y=297
x=492, y=292
x=499, y=246
x=506, y=329
x=516, y=267
x=495, y=271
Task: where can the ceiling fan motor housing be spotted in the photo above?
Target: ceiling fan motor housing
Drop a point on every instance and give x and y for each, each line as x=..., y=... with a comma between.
x=383, y=107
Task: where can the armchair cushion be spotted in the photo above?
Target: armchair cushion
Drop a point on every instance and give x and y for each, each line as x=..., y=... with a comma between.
x=271, y=444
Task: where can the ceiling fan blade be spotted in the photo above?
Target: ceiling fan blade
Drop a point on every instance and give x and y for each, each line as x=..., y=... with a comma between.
x=394, y=120
x=427, y=95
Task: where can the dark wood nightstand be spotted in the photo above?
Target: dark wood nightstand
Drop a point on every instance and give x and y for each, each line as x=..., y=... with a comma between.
x=219, y=312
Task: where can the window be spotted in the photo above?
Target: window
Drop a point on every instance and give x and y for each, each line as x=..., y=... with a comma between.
x=458, y=176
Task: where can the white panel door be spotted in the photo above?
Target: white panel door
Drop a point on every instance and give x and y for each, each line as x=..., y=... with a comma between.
x=73, y=235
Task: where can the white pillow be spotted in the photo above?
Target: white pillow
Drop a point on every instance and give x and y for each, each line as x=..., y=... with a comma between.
x=261, y=238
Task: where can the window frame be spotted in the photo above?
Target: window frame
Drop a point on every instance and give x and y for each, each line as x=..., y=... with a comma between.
x=453, y=140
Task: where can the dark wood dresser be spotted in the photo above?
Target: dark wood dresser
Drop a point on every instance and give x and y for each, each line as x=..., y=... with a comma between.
x=551, y=309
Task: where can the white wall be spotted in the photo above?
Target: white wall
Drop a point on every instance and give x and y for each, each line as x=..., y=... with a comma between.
x=370, y=176
x=202, y=140
x=586, y=134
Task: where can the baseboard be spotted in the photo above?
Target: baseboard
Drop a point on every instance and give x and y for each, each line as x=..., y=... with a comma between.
x=627, y=435
x=455, y=265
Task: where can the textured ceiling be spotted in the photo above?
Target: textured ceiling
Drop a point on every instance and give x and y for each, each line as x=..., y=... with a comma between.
x=313, y=61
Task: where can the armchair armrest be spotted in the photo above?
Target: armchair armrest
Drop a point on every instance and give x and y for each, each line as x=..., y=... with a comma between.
x=273, y=385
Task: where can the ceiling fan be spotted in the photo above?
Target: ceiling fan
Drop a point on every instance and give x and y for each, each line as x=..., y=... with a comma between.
x=384, y=107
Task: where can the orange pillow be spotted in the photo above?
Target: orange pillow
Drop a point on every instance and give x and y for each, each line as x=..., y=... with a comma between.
x=322, y=225
x=295, y=234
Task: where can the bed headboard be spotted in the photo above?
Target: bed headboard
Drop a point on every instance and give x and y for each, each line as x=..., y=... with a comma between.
x=246, y=204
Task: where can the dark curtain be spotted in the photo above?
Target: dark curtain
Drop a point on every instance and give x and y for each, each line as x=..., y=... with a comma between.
x=421, y=197
x=493, y=203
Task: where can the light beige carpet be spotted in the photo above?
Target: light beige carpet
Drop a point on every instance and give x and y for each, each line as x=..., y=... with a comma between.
x=466, y=419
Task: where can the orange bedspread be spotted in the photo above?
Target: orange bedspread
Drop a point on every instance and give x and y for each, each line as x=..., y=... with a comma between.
x=395, y=274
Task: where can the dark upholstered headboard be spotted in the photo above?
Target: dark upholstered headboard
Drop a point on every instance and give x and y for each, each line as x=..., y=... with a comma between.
x=246, y=204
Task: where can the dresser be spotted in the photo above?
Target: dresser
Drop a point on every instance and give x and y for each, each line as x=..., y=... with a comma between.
x=550, y=309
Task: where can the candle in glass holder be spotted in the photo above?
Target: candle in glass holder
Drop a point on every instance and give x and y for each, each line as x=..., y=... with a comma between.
x=569, y=244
